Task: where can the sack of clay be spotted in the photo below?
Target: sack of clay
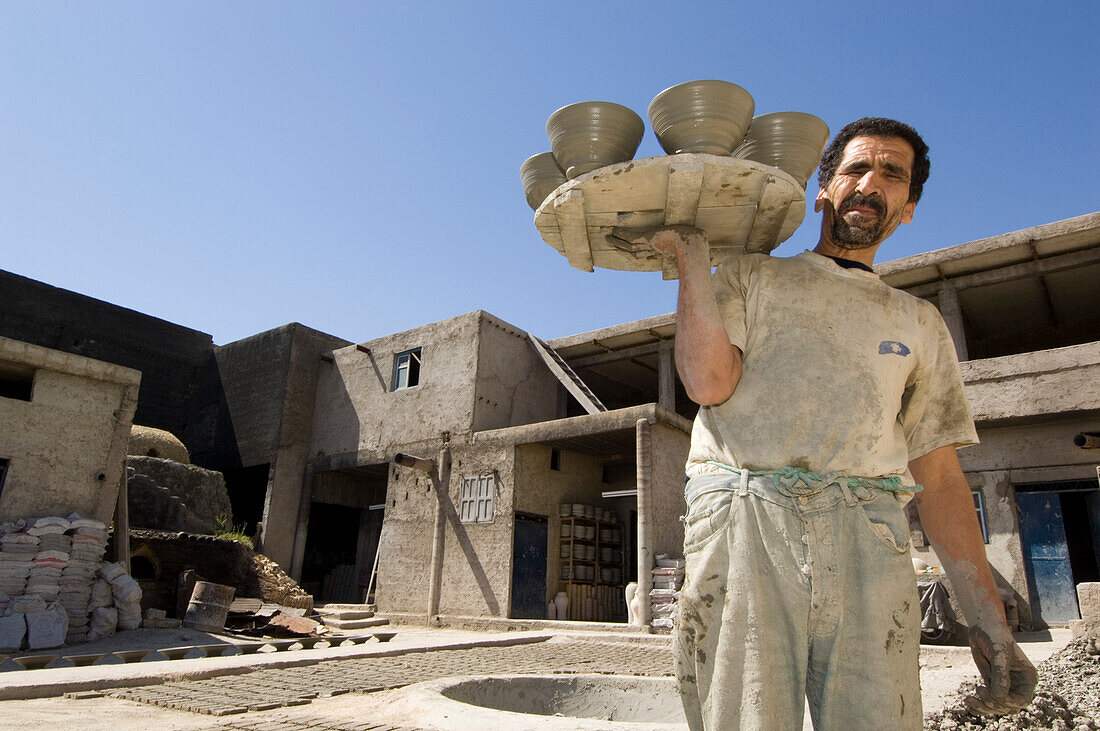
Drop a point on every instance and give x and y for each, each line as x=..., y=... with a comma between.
x=102, y=623
x=13, y=628
x=47, y=628
x=102, y=596
x=111, y=570
x=129, y=616
x=28, y=604
x=125, y=589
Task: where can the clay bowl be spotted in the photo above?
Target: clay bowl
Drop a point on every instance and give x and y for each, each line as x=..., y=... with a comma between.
x=707, y=116
x=790, y=141
x=590, y=135
x=541, y=175
x=35, y=662
x=176, y=653
x=81, y=661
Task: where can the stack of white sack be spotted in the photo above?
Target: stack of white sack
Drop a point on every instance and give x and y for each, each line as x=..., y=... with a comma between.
x=668, y=578
x=89, y=542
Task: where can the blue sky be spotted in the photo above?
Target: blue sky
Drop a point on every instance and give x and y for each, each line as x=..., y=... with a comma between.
x=353, y=166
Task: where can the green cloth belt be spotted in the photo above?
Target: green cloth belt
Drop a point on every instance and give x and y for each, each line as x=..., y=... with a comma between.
x=787, y=477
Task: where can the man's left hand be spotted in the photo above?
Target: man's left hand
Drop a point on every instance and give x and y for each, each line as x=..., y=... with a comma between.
x=1008, y=677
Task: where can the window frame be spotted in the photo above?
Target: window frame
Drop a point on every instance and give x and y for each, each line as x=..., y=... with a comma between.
x=979, y=507
x=403, y=362
x=477, y=499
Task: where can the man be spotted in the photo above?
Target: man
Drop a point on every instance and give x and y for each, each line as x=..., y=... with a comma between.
x=828, y=400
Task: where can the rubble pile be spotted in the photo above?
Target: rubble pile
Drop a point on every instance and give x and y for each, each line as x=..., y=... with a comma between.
x=1067, y=698
x=277, y=587
x=54, y=588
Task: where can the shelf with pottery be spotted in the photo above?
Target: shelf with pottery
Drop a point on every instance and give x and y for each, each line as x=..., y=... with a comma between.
x=744, y=206
x=596, y=599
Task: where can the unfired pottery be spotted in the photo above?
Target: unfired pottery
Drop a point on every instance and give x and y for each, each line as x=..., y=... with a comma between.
x=541, y=175
x=707, y=116
x=589, y=135
x=561, y=601
x=790, y=141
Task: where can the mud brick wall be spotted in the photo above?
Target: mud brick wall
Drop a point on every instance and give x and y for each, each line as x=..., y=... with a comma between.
x=213, y=559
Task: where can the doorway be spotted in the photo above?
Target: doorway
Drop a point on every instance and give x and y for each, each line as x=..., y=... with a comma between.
x=529, y=567
x=1060, y=538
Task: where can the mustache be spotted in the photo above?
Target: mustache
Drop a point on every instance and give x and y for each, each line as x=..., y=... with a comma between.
x=858, y=199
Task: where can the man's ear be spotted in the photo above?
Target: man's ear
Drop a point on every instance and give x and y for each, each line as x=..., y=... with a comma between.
x=907, y=212
x=819, y=202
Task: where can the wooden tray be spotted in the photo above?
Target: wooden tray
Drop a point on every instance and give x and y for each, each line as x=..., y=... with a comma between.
x=744, y=206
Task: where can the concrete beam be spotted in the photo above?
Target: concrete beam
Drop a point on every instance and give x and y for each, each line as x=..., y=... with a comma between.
x=579, y=426
x=614, y=356
x=1036, y=268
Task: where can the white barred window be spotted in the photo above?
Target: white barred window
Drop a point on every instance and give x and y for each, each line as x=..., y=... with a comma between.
x=476, y=503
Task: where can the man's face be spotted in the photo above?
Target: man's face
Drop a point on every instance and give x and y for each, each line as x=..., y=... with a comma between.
x=868, y=197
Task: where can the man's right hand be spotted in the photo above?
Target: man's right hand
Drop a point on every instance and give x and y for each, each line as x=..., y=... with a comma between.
x=675, y=241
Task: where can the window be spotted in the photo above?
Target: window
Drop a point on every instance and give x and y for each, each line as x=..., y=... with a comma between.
x=979, y=505
x=555, y=459
x=406, y=369
x=16, y=381
x=476, y=503
x=3, y=473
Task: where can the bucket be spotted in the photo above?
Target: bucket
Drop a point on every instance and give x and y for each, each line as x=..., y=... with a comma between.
x=208, y=607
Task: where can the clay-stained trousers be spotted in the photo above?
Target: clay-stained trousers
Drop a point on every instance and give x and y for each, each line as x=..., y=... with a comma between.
x=803, y=592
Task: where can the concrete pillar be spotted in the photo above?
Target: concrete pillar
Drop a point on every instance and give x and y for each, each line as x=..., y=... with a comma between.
x=952, y=316
x=666, y=376
x=442, y=480
x=122, y=523
x=304, y=504
x=644, y=443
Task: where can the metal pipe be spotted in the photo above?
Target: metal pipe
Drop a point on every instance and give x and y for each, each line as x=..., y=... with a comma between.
x=1087, y=440
x=442, y=486
x=417, y=463
x=645, y=524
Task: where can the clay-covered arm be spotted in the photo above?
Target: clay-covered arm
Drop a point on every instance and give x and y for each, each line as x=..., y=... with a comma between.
x=951, y=524
x=709, y=366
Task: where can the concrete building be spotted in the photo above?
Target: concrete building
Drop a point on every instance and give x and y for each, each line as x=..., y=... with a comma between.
x=306, y=426
x=1024, y=311
x=483, y=533
x=64, y=425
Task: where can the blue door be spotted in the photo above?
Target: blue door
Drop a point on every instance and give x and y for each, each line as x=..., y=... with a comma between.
x=1046, y=556
x=529, y=567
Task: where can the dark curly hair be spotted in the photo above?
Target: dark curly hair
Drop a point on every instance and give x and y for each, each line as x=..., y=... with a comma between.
x=877, y=127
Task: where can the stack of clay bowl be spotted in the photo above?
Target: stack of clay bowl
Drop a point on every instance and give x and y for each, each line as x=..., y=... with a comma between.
x=708, y=117
x=583, y=137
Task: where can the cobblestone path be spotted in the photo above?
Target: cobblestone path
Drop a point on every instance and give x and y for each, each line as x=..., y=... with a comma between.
x=265, y=689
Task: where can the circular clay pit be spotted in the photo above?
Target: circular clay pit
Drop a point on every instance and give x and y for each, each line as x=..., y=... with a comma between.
x=551, y=702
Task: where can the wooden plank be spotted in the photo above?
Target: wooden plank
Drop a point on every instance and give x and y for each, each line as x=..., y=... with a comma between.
x=795, y=214
x=775, y=199
x=685, y=181
x=569, y=209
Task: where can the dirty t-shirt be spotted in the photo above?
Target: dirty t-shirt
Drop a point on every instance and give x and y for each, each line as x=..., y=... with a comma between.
x=841, y=373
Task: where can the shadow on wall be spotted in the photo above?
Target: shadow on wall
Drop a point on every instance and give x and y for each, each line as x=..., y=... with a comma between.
x=451, y=513
x=336, y=423
x=210, y=436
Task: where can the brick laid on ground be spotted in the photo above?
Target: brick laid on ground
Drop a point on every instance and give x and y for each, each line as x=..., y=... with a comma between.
x=293, y=686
